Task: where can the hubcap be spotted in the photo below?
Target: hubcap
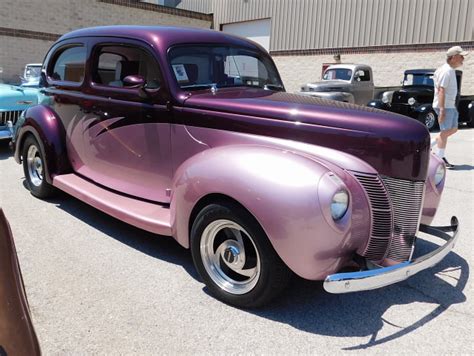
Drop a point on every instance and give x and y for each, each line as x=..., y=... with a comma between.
x=35, y=166
x=230, y=256
x=430, y=119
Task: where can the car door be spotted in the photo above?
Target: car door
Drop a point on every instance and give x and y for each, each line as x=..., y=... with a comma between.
x=64, y=82
x=363, y=86
x=127, y=129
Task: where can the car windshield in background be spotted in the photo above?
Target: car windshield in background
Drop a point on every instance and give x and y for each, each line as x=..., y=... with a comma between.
x=198, y=67
x=338, y=74
x=32, y=72
x=418, y=79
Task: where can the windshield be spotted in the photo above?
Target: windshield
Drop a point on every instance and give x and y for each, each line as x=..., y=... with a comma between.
x=418, y=79
x=32, y=72
x=340, y=73
x=198, y=67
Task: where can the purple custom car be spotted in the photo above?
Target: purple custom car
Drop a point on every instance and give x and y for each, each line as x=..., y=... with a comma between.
x=189, y=133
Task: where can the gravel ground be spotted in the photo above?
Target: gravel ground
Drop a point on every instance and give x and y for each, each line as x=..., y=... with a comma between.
x=98, y=286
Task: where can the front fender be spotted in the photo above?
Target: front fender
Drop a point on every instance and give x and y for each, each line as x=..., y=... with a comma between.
x=432, y=191
x=423, y=108
x=378, y=104
x=335, y=95
x=44, y=124
x=288, y=194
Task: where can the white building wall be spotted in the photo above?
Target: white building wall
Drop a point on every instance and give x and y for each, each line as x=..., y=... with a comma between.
x=387, y=68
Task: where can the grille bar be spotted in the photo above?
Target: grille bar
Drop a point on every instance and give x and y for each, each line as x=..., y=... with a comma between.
x=12, y=116
x=407, y=200
x=396, y=211
x=380, y=231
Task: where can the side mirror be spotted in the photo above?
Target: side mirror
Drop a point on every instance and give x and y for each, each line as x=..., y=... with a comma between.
x=134, y=81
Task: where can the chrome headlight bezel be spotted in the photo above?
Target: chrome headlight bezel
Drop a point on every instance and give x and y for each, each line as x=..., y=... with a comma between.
x=411, y=101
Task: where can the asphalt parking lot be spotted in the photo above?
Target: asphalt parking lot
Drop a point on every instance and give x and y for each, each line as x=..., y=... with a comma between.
x=98, y=286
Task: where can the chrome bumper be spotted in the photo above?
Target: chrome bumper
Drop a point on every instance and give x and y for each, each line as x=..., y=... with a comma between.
x=376, y=278
x=6, y=131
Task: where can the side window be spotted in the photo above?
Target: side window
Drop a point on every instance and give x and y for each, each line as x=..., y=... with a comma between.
x=69, y=65
x=113, y=63
x=364, y=75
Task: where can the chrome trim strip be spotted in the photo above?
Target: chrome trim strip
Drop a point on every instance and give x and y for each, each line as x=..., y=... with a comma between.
x=376, y=278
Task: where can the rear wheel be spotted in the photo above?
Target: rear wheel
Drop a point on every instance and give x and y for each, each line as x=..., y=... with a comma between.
x=34, y=169
x=429, y=119
x=235, y=258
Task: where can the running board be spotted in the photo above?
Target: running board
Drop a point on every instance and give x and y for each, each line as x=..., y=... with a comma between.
x=144, y=215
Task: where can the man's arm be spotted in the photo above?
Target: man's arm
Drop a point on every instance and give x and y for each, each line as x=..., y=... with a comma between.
x=441, y=103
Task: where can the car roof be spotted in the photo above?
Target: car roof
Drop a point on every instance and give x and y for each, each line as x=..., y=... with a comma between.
x=420, y=71
x=162, y=36
x=348, y=66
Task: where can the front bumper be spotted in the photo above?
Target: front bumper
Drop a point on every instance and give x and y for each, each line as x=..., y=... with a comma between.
x=380, y=277
x=5, y=133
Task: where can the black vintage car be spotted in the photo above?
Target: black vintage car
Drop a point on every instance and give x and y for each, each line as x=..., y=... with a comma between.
x=415, y=98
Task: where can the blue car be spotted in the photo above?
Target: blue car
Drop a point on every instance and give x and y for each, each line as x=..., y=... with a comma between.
x=13, y=100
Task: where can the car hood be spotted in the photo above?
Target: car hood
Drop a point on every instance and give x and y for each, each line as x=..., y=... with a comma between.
x=17, y=98
x=393, y=144
x=416, y=90
x=328, y=85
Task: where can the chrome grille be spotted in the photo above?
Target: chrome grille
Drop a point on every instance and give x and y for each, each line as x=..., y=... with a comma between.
x=381, y=216
x=396, y=208
x=12, y=116
x=407, y=200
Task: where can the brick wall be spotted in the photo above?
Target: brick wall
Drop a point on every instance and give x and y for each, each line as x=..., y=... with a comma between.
x=56, y=17
x=388, y=68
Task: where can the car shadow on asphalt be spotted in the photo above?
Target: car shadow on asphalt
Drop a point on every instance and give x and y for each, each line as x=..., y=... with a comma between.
x=161, y=247
x=305, y=305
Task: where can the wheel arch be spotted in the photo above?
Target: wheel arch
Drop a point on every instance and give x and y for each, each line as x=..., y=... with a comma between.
x=44, y=125
x=213, y=198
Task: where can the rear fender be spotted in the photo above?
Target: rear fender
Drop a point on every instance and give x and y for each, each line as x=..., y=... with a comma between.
x=44, y=124
x=289, y=195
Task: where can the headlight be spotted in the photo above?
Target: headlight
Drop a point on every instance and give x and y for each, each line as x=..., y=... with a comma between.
x=439, y=175
x=470, y=105
x=387, y=97
x=411, y=101
x=339, y=204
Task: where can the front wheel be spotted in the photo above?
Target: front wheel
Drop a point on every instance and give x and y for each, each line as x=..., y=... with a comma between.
x=235, y=258
x=34, y=169
x=429, y=119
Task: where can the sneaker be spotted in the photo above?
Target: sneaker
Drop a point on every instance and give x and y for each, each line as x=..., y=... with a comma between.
x=448, y=165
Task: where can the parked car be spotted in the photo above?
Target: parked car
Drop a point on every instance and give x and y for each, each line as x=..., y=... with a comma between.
x=189, y=133
x=415, y=99
x=350, y=83
x=13, y=100
x=31, y=75
x=17, y=334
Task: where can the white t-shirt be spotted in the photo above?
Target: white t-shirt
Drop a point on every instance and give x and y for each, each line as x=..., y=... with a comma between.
x=445, y=77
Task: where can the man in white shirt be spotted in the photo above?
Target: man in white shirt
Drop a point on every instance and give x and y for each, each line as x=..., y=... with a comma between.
x=444, y=103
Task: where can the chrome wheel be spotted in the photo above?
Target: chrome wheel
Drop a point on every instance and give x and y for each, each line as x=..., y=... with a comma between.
x=230, y=256
x=430, y=120
x=35, y=165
